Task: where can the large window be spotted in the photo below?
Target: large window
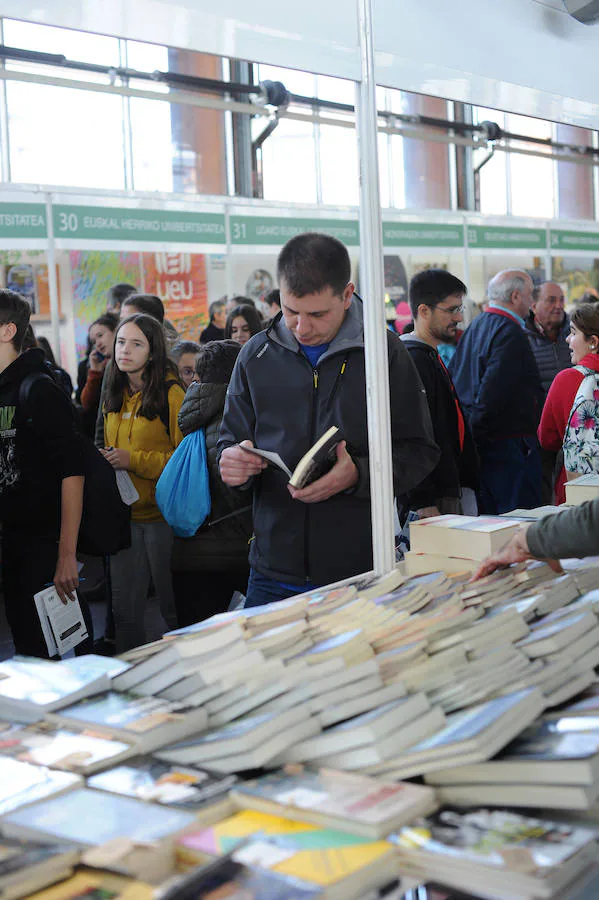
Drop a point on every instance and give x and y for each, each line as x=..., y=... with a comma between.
x=517, y=183
x=64, y=136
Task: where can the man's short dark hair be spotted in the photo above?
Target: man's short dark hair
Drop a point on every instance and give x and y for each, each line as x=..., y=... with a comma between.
x=148, y=304
x=14, y=308
x=432, y=286
x=273, y=298
x=118, y=293
x=216, y=361
x=311, y=262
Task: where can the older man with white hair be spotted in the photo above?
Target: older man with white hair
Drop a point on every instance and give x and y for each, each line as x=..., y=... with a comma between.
x=497, y=380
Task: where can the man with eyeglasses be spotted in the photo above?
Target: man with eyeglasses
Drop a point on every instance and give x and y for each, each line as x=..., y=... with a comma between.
x=436, y=302
x=497, y=380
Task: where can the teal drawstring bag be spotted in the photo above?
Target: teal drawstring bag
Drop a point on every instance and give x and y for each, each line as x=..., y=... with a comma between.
x=183, y=489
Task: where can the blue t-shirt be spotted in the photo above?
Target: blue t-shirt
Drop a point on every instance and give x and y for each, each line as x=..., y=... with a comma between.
x=313, y=353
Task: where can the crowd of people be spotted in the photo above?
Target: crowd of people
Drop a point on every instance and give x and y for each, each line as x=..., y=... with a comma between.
x=501, y=427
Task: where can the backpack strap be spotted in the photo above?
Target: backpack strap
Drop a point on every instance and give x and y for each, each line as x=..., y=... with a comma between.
x=165, y=413
x=25, y=389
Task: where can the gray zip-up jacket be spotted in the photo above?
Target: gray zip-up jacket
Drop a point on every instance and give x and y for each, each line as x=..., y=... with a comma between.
x=277, y=400
x=551, y=356
x=574, y=532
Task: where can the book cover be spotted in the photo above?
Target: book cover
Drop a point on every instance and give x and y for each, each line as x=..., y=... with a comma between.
x=22, y=783
x=94, y=885
x=472, y=722
x=90, y=818
x=18, y=856
x=149, y=779
x=487, y=837
x=46, y=684
x=62, y=623
x=227, y=878
x=353, y=798
x=319, y=855
x=59, y=748
x=133, y=713
x=548, y=743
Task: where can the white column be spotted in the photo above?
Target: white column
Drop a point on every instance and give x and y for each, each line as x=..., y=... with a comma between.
x=53, y=282
x=372, y=287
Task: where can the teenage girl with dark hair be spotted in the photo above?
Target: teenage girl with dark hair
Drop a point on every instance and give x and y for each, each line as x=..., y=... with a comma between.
x=101, y=343
x=243, y=322
x=143, y=399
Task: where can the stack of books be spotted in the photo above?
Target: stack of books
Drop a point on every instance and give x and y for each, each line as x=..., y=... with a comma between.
x=498, y=855
x=553, y=765
x=581, y=489
x=455, y=543
x=367, y=683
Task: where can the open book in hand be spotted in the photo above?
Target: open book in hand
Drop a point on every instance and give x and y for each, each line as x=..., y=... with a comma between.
x=318, y=460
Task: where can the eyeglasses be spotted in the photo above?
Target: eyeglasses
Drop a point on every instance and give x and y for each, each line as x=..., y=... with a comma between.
x=452, y=310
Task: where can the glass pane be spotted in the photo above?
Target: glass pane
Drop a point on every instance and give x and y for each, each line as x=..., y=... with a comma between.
x=493, y=183
x=152, y=145
x=340, y=90
x=339, y=166
x=288, y=163
x=77, y=46
x=65, y=136
x=147, y=58
x=399, y=175
x=532, y=178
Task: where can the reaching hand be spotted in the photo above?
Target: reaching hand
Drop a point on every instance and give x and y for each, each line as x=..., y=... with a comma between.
x=427, y=512
x=343, y=475
x=515, y=551
x=118, y=459
x=236, y=465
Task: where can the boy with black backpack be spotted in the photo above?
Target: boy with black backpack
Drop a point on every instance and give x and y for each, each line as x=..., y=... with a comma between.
x=41, y=480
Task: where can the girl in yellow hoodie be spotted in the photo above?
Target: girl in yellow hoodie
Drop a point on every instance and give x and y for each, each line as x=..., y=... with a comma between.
x=143, y=392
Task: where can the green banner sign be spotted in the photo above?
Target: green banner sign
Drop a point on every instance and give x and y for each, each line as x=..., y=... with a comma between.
x=574, y=240
x=109, y=223
x=489, y=237
x=22, y=220
x=422, y=234
x=276, y=231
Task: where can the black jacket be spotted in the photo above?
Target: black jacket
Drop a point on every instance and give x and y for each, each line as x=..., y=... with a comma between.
x=497, y=379
x=224, y=545
x=456, y=468
x=551, y=356
x=211, y=333
x=39, y=447
x=277, y=400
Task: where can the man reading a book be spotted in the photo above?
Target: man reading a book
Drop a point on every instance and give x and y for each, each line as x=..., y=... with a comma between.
x=292, y=382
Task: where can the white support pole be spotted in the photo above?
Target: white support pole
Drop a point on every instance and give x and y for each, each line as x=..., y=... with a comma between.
x=53, y=282
x=372, y=286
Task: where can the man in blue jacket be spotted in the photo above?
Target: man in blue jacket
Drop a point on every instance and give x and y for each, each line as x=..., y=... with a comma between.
x=291, y=383
x=497, y=380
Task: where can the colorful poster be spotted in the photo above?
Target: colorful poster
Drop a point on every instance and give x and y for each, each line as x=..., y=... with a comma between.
x=179, y=279
x=93, y=272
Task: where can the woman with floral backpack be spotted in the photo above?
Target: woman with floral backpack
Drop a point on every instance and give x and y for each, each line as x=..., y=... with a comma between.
x=570, y=418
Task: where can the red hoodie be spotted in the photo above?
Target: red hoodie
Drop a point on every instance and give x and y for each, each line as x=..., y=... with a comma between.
x=556, y=413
